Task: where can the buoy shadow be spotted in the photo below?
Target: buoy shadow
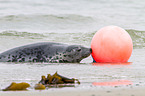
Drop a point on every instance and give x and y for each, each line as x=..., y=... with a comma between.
x=103, y=64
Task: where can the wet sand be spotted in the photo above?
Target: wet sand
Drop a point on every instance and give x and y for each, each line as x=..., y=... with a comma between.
x=97, y=92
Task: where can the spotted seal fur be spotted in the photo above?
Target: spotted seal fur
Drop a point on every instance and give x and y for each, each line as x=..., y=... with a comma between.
x=46, y=52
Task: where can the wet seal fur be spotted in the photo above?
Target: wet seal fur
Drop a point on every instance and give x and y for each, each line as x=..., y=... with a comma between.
x=46, y=52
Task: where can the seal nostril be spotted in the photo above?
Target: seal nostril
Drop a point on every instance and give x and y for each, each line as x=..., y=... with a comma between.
x=91, y=50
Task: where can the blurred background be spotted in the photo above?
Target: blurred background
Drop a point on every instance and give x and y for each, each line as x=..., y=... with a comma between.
x=68, y=21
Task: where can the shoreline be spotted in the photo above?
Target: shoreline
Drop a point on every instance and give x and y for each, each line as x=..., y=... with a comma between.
x=137, y=91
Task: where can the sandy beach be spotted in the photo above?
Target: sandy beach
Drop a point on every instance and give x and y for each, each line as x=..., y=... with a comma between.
x=107, y=92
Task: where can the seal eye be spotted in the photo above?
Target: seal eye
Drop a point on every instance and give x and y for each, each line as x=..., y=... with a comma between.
x=76, y=50
x=79, y=50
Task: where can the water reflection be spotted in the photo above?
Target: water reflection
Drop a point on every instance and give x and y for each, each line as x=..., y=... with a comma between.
x=113, y=83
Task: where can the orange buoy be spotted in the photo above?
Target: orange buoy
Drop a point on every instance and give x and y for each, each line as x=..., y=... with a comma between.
x=111, y=44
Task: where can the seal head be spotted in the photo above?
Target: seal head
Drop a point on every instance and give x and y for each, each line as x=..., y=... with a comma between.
x=75, y=53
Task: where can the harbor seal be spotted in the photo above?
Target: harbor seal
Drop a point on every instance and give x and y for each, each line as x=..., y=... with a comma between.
x=46, y=52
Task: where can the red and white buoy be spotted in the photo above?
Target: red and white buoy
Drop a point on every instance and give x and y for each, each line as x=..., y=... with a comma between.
x=111, y=44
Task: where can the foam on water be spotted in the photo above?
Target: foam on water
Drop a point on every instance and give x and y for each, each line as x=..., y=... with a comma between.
x=83, y=38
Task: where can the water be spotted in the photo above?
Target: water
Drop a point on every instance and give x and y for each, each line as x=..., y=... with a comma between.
x=72, y=22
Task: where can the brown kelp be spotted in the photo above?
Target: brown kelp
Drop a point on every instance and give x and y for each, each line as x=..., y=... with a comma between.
x=52, y=80
x=17, y=86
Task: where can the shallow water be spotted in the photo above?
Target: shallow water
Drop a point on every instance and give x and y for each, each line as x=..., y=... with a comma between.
x=91, y=75
x=72, y=22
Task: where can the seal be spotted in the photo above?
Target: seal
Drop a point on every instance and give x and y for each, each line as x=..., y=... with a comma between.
x=46, y=52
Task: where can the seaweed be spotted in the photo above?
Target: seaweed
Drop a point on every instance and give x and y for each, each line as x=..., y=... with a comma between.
x=57, y=79
x=17, y=86
x=39, y=87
